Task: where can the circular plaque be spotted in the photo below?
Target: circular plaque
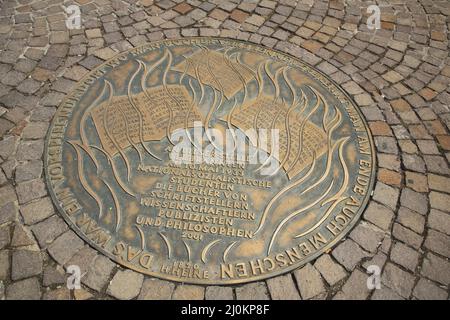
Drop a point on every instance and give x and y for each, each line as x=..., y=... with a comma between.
x=209, y=161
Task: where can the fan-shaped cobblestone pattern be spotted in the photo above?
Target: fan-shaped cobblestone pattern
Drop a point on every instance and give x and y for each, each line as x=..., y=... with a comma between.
x=399, y=76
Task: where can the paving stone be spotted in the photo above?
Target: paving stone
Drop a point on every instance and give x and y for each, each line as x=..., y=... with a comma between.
x=99, y=273
x=255, y=20
x=197, y=14
x=416, y=181
x=93, y=33
x=5, y=237
x=389, y=177
x=82, y=259
x=398, y=76
x=30, y=150
x=426, y=290
x=156, y=289
x=3, y=178
x=439, y=183
x=76, y=73
x=349, y=254
x=309, y=282
x=29, y=170
x=65, y=246
x=57, y=294
x=436, y=269
x=386, y=293
x=411, y=219
x=405, y=256
x=4, y=264
x=282, y=288
x=439, y=221
x=438, y=242
x=439, y=201
x=386, y=145
x=5, y=126
x=355, y=288
x=386, y=195
x=8, y=168
x=52, y=99
x=218, y=293
x=393, y=76
x=408, y=147
x=28, y=289
x=188, y=292
x=104, y=53
x=125, y=285
x=13, y=78
x=252, y=291
x=367, y=236
x=7, y=146
x=413, y=162
x=183, y=8
x=239, y=16
x=48, y=230
x=30, y=190
x=59, y=37
x=444, y=141
x=21, y=237
x=427, y=147
x=379, y=215
x=398, y=280
x=406, y=235
x=29, y=86
x=331, y=271
x=25, y=264
x=82, y=294
x=37, y=211
x=414, y=201
x=90, y=62
x=378, y=260
x=380, y=128
x=53, y=276
x=8, y=212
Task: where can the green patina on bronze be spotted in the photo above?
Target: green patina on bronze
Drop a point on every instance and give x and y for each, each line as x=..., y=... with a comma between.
x=109, y=172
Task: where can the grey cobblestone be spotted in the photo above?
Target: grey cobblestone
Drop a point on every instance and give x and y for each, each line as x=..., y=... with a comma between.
x=330, y=270
x=25, y=264
x=125, y=285
x=218, y=293
x=309, y=281
x=399, y=76
x=188, y=292
x=65, y=246
x=386, y=195
x=405, y=256
x=355, y=288
x=31, y=190
x=398, y=280
x=349, y=254
x=156, y=289
x=252, y=291
x=99, y=272
x=426, y=290
x=282, y=288
x=28, y=289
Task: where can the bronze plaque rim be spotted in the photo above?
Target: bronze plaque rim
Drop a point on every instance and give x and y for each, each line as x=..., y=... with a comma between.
x=323, y=250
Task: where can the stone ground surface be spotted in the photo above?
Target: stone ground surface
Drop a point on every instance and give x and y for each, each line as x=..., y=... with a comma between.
x=398, y=75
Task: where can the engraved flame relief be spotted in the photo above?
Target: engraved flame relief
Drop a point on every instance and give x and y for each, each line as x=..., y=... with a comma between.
x=110, y=174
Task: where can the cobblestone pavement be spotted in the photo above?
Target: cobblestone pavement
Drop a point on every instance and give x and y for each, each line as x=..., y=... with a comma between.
x=398, y=75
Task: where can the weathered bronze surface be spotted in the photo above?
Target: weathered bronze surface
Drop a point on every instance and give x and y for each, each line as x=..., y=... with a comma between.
x=109, y=172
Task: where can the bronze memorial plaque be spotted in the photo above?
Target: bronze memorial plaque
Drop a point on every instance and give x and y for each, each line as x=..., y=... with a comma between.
x=209, y=161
